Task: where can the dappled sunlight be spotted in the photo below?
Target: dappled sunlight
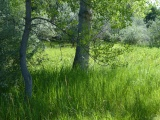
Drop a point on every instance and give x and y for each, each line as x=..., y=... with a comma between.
x=124, y=92
x=79, y=60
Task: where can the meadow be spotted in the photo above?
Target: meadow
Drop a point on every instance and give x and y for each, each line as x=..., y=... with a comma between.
x=129, y=89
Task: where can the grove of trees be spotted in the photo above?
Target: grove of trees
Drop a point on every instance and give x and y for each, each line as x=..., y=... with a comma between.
x=25, y=25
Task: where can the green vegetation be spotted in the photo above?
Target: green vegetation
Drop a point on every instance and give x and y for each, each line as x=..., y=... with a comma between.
x=129, y=92
x=111, y=72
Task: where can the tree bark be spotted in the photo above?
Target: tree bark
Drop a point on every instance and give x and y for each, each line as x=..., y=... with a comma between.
x=24, y=70
x=81, y=59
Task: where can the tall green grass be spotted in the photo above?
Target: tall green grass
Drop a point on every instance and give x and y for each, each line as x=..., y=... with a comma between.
x=127, y=92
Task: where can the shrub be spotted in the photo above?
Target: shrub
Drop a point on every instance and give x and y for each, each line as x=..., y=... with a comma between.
x=155, y=33
x=136, y=33
x=10, y=34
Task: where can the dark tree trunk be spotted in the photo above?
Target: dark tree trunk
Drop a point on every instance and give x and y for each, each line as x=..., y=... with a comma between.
x=25, y=73
x=81, y=59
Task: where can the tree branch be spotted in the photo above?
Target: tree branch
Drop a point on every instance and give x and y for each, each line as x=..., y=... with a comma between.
x=47, y=20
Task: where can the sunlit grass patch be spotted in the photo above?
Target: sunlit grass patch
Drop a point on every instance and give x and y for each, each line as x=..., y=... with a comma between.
x=130, y=92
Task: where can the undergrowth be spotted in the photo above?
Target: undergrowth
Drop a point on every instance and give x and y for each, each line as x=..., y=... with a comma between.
x=130, y=92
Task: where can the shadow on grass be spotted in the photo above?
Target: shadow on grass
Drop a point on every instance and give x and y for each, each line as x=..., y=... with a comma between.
x=66, y=92
x=57, y=92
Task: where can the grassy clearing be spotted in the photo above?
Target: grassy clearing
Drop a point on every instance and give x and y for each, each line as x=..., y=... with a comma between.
x=128, y=92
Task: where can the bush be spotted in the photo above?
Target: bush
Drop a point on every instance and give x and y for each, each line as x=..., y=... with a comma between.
x=155, y=33
x=9, y=48
x=137, y=33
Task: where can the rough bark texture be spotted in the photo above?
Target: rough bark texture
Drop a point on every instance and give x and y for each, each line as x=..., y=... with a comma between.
x=81, y=59
x=25, y=73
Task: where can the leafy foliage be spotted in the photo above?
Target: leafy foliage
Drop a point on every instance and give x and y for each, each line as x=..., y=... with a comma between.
x=107, y=54
x=136, y=33
x=152, y=15
x=155, y=33
x=118, y=12
x=9, y=46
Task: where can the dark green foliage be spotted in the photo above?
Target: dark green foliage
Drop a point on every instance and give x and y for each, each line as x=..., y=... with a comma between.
x=152, y=15
x=9, y=46
x=155, y=33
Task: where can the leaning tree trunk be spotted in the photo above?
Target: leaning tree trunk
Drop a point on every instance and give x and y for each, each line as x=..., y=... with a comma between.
x=25, y=73
x=81, y=59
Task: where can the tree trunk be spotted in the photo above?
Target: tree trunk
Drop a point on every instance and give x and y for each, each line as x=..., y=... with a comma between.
x=81, y=59
x=25, y=73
